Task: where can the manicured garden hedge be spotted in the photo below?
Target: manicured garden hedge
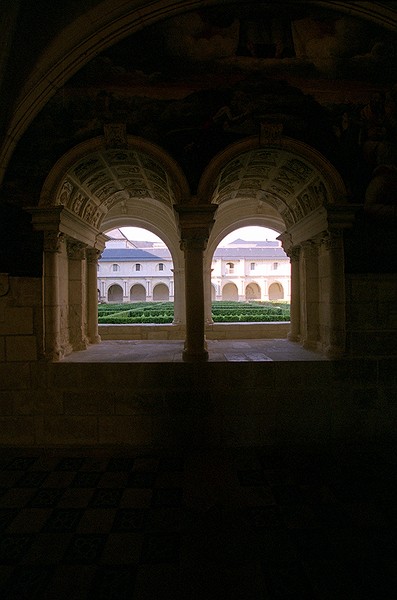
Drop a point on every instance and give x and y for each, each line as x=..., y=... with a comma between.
x=222, y=312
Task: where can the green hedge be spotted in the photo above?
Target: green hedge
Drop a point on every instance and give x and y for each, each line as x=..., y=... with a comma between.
x=222, y=312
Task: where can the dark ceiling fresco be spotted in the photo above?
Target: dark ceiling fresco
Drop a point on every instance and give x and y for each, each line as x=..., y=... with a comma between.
x=200, y=81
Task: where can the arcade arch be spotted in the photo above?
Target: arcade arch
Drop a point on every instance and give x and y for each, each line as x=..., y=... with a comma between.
x=115, y=293
x=284, y=184
x=276, y=291
x=252, y=291
x=138, y=293
x=281, y=183
x=230, y=292
x=161, y=293
x=106, y=183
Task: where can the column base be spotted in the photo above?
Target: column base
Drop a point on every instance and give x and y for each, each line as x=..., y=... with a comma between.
x=95, y=339
x=311, y=345
x=292, y=337
x=190, y=356
x=334, y=352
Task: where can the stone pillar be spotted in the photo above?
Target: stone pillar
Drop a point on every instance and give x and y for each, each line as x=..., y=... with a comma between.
x=195, y=346
x=52, y=310
x=207, y=296
x=92, y=255
x=179, y=297
x=195, y=222
x=309, y=295
x=295, y=331
x=76, y=256
x=336, y=339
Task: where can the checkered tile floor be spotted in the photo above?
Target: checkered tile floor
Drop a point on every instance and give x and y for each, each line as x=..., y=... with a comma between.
x=243, y=524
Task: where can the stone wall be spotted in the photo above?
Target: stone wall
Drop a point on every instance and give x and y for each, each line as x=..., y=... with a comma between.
x=371, y=314
x=174, y=404
x=20, y=320
x=185, y=404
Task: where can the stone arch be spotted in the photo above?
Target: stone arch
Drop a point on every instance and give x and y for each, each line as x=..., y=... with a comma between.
x=252, y=291
x=115, y=293
x=138, y=293
x=93, y=188
x=288, y=186
x=161, y=293
x=230, y=292
x=276, y=291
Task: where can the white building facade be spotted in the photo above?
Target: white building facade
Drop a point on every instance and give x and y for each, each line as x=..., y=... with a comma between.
x=242, y=271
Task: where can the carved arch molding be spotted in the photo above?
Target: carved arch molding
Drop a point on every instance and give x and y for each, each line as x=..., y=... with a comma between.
x=95, y=184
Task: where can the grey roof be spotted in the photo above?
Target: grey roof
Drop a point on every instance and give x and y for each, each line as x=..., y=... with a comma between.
x=136, y=254
x=250, y=253
x=262, y=243
x=127, y=254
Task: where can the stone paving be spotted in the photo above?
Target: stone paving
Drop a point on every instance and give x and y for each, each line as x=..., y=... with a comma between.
x=204, y=524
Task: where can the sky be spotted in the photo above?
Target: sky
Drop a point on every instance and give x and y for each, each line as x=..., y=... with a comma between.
x=245, y=233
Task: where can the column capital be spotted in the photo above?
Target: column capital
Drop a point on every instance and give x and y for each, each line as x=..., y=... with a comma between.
x=294, y=253
x=53, y=241
x=195, y=223
x=194, y=242
x=332, y=240
x=93, y=255
x=310, y=248
x=75, y=249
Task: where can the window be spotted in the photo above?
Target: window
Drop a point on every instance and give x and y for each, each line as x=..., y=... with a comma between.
x=115, y=267
x=229, y=267
x=275, y=266
x=137, y=267
x=252, y=266
x=161, y=267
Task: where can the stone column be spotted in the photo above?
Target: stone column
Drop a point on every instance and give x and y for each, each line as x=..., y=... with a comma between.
x=52, y=310
x=195, y=222
x=195, y=345
x=76, y=256
x=295, y=331
x=92, y=255
x=335, y=344
x=207, y=296
x=179, y=298
x=309, y=295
